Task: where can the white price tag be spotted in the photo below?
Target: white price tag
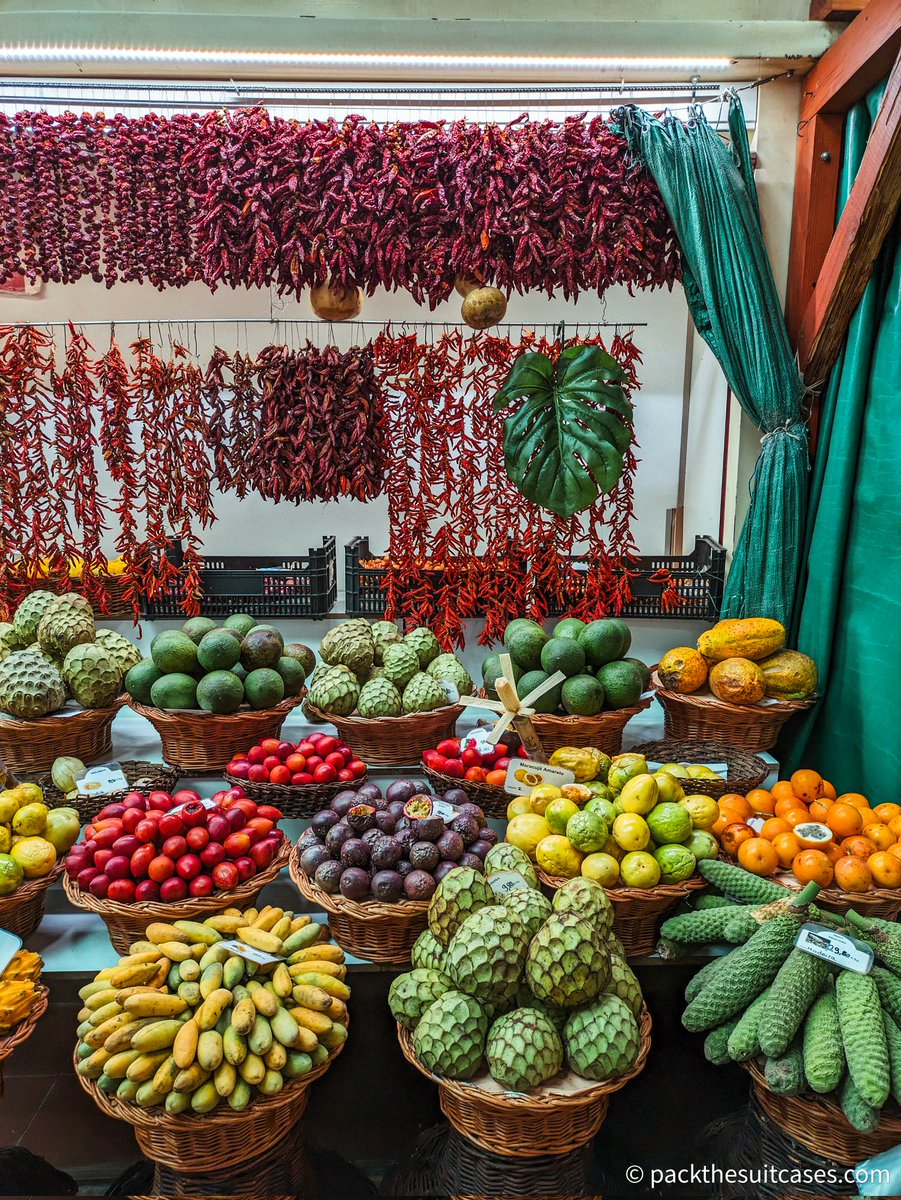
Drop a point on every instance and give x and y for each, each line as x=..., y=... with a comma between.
x=206, y=801
x=9, y=946
x=756, y=823
x=505, y=882
x=445, y=810
x=102, y=781
x=477, y=739
x=523, y=774
x=836, y=948
x=250, y=953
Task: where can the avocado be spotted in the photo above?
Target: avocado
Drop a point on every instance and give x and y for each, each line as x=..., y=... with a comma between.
x=292, y=674
x=241, y=622
x=524, y=641
x=220, y=692
x=602, y=642
x=238, y=670
x=218, y=651
x=563, y=654
x=643, y=670
x=141, y=678
x=173, y=652
x=271, y=629
x=261, y=648
x=622, y=684
x=582, y=696
x=303, y=654
x=549, y=702
x=569, y=627
x=264, y=688
x=626, y=635
x=196, y=627
x=491, y=670
x=175, y=690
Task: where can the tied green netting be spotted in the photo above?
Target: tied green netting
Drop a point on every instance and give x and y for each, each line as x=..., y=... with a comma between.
x=708, y=189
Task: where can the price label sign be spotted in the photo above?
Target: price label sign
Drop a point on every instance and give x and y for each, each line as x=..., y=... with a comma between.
x=102, y=781
x=523, y=774
x=9, y=947
x=836, y=948
x=445, y=810
x=505, y=882
x=250, y=953
x=477, y=740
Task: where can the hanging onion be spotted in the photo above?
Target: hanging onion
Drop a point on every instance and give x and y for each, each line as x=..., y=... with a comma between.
x=333, y=303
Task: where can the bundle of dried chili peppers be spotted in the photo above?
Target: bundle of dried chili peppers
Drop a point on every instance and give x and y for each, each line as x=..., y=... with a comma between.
x=248, y=199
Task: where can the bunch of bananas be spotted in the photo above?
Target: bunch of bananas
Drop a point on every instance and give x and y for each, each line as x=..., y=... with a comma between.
x=19, y=988
x=184, y=1022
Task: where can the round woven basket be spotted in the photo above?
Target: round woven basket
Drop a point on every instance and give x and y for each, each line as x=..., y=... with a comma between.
x=603, y=732
x=637, y=912
x=527, y=1126
x=141, y=777
x=702, y=717
x=745, y=771
x=198, y=1143
x=23, y=910
x=491, y=800
x=203, y=743
x=32, y=745
x=296, y=803
x=22, y=1032
x=877, y=902
x=127, y=923
x=394, y=741
x=818, y=1122
x=367, y=929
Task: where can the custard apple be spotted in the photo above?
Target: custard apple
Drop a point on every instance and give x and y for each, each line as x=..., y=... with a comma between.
x=400, y=663
x=78, y=602
x=93, y=675
x=602, y=1039
x=30, y=686
x=379, y=698
x=448, y=666
x=427, y=953
x=411, y=994
x=506, y=857
x=384, y=634
x=29, y=613
x=375, y=673
x=125, y=653
x=531, y=905
x=350, y=645
x=459, y=894
x=8, y=639
x=423, y=693
x=487, y=954
x=556, y=1015
x=63, y=627
x=423, y=641
x=566, y=963
x=587, y=900
x=623, y=983
x=335, y=692
x=450, y=1037
x=523, y=1050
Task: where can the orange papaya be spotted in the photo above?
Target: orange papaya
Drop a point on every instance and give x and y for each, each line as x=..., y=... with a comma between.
x=737, y=681
x=744, y=637
x=682, y=670
x=789, y=675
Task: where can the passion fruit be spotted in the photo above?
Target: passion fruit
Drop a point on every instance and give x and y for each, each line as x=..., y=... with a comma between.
x=418, y=807
x=419, y=885
x=361, y=817
x=354, y=883
x=328, y=876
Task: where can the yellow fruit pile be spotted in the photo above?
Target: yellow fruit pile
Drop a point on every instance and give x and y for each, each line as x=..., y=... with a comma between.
x=18, y=988
x=184, y=1022
x=32, y=836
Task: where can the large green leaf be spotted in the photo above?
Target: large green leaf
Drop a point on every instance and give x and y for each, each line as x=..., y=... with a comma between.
x=566, y=443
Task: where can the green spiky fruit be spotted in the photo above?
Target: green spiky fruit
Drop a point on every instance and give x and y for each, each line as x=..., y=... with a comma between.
x=125, y=653
x=523, y=1050
x=587, y=900
x=423, y=641
x=506, y=857
x=532, y=906
x=792, y=992
x=411, y=994
x=863, y=1036
x=379, y=698
x=744, y=1040
x=29, y=614
x=624, y=983
x=556, y=1015
x=824, y=1058
x=423, y=694
x=8, y=639
x=400, y=663
x=785, y=1075
x=93, y=675
x=450, y=1037
x=351, y=645
x=448, y=666
x=602, y=1039
x=486, y=956
x=427, y=952
x=859, y=1112
x=716, y=1043
x=64, y=626
x=566, y=964
x=384, y=634
x=30, y=686
x=335, y=692
x=459, y=894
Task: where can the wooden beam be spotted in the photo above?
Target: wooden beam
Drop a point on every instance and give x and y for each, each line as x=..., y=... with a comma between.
x=856, y=62
x=836, y=10
x=866, y=220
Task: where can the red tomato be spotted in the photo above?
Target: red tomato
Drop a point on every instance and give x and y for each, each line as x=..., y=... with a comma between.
x=269, y=812
x=357, y=767
x=99, y=886
x=476, y=774
x=470, y=757
x=235, y=792
x=501, y=764
x=126, y=844
x=147, y=829
x=212, y=854
x=134, y=800
x=159, y=799
x=454, y=767
x=102, y=857
x=201, y=885
x=218, y=828
x=75, y=864
x=186, y=796
x=161, y=868
x=325, y=773
x=261, y=826
x=121, y=890
x=141, y=860
x=131, y=819
x=88, y=850
x=335, y=760
x=433, y=760
x=306, y=748
x=449, y=748
x=225, y=876
x=240, y=770
x=118, y=867
x=326, y=744
x=270, y=745
x=188, y=866
x=236, y=818
x=193, y=813
x=237, y=844
x=271, y=761
x=255, y=755
x=173, y=889
x=171, y=825
x=174, y=847
x=295, y=763
x=314, y=761
x=301, y=777
x=345, y=752
x=197, y=837
x=85, y=876
x=280, y=774
x=111, y=811
x=105, y=837
x=262, y=854
x=147, y=890
x=245, y=805
x=246, y=868
x=285, y=749
x=345, y=776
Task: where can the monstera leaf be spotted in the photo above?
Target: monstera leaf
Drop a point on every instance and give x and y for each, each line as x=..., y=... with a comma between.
x=566, y=444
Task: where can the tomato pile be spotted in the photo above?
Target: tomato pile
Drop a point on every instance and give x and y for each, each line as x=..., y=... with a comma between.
x=461, y=759
x=319, y=758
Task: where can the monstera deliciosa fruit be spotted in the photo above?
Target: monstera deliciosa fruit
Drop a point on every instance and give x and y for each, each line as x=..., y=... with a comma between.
x=566, y=443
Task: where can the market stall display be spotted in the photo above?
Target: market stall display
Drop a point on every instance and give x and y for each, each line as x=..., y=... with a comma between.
x=528, y=1015
x=207, y=1053
x=299, y=777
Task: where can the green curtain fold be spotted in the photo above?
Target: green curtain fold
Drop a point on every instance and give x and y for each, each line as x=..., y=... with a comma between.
x=708, y=189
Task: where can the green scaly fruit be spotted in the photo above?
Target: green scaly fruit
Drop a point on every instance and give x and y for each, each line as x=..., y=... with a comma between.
x=704, y=976
x=459, y=894
x=566, y=963
x=716, y=1043
x=411, y=994
x=863, y=1036
x=859, y=1112
x=450, y=1037
x=889, y=986
x=423, y=641
x=744, y=1040
x=530, y=905
x=30, y=686
x=400, y=663
x=602, y=1039
x=423, y=694
x=893, y=1041
x=703, y=926
x=123, y=652
x=523, y=1050
x=8, y=639
x=506, y=857
x=709, y=900
x=384, y=634
x=624, y=983
x=379, y=698
x=556, y=1015
x=588, y=900
x=93, y=675
x=335, y=692
x=824, y=1058
x=740, y=884
x=487, y=954
x=792, y=992
x=449, y=667
x=427, y=953
x=63, y=627
x=883, y=936
x=350, y=645
x=29, y=614
x=785, y=1074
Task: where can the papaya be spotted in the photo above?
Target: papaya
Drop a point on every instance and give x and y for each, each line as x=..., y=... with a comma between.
x=682, y=670
x=737, y=681
x=744, y=637
x=789, y=675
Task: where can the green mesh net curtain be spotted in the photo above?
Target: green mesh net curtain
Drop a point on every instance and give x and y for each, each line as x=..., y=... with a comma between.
x=708, y=188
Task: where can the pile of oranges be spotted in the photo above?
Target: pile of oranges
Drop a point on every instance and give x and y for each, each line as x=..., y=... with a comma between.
x=815, y=834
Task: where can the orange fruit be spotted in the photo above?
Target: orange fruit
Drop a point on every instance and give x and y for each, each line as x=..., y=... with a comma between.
x=844, y=819
x=807, y=784
x=833, y=851
x=868, y=817
x=797, y=816
x=855, y=798
x=896, y=849
x=895, y=826
x=880, y=835
x=720, y=824
x=761, y=800
x=887, y=812
x=758, y=856
x=783, y=790
x=784, y=806
x=786, y=846
x=828, y=791
x=737, y=804
x=852, y=874
x=859, y=846
x=773, y=826
x=813, y=866
x=733, y=836
x=813, y=835
x=818, y=811
x=885, y=869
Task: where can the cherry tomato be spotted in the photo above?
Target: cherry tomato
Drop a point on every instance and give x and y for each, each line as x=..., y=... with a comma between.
x=141, y=860
x=212, y=854
x=174, y=847
x=147, y=890
x=295, y=763
x=201, y=885
x=192, y=814
x=449, y=748
x=270, y=745
x=301, y=778
x=476, y=774
x=357, y=768
x=172, y=889
x=269, y=812
x=171, y=825
x=188, y=866
x=325, y=773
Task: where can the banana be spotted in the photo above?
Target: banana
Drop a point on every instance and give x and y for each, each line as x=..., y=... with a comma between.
x=264, y=1001
x=99, y=1015
x=268, y=917
x=97, y=1036
x=177, y=951
x=145, y=1065
x=136, y=973
x=260, y=1037
x=211, y=979
x=195, y=931
x=147, y=1096
x=240, y=1096
x=298, y=1064
x=232, y=971
x=95, y=1066
x=252, y=1069
x=166, y=1074
x=97, y=1000
x=184, y=1048
x=226, y=923
x=328, y=953
x=155, y=1004
x=191, y=1078
x=318, y=966
x=215, y=954
x=271, y=1083
x=225, y=1077
x=190, y=993
x=209, y=1050
x=92, y=988
x=234, y=1046
x=190, y=971
x=205, y=1098
x=121, y=1038
x=281, y=981
x=285, y=1028
x=117, y=1064
x=337, y=1010
x=173, y=979
x=177, y=1102
x=327, y=983
x=140, y=947
x=212, y=1008
x=312, y=997
x=335, y=1037
x=302, y=939
x=281, y=929
x=243, y=1016
x=306, y=1018
x=127, y=1091
x=275, y=1057
x=260, y=940
x=158, y=932
x=158, y=1036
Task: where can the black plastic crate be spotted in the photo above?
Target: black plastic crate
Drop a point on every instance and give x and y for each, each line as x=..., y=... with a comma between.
x=305, y=585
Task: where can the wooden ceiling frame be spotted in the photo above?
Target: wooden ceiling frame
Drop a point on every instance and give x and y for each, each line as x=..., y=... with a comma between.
x=830, y=265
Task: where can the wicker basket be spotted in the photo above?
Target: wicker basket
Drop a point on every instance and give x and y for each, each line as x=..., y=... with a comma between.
x=745, y=771
x=702, y=717
x=604, y=732
x=141, y=777
x=637, y=912
x=818, y=1123
x=296, y=803
x=23, y=910
x=368, y=929
x=22, y=1032
x=527, y=1126
x=394, y=741
x=203, y=743
x=213, y=1141
x=126, y=923
x=31, y=746
x=491, y=800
